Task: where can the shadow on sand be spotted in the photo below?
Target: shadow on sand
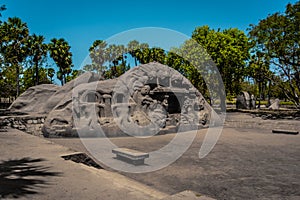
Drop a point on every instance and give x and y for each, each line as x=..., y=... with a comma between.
x=22, y=177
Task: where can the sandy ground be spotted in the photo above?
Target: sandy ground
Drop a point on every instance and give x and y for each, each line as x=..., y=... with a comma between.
x=244, y=164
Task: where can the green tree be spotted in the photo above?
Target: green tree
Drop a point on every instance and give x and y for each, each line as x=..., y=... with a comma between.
x=145, y=54
x=193, y=62
x=276, y=38
x=142, y=54
x=98, y=56
x=229, y=49
x=122, y=66
x=258, y=69
x=157, y=54
x=60, y=53
x=75, y=73
x=112, y=54
x=50, y=74
x=14, y=35
x=132, y=47
x=116, y=58
x=37, y=50
x=28, y=81
x=7, y=82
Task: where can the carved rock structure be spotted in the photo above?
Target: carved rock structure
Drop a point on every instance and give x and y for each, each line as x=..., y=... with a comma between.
x=147, y=100
x=245, y=101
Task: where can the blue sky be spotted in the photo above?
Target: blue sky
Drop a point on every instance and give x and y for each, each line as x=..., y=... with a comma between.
x=82, y=22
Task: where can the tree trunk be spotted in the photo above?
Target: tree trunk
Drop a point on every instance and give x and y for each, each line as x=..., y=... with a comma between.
x=259, y=94
x=269, y=93
x=135, y=61
x=64, y=79
x=18, y=80
x=36, y=73
x=222, y=94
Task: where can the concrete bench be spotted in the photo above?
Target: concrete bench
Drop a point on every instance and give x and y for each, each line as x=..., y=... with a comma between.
x=286, y=132
x=130, y=155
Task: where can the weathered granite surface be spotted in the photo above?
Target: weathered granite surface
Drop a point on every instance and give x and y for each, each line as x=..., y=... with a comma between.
x=146, y=100
x=34, y=99
x=142, y=102
x=59, y=95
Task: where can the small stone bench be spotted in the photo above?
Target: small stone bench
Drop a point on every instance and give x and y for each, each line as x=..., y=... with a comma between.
x=286, y=132
x=130, y=155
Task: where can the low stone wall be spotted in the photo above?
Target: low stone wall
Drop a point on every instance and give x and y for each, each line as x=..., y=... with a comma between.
x=33, y=124
x=30, y=124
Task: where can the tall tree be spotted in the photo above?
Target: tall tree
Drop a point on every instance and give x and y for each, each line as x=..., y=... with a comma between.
x=116, y=57
x=28, y=81
x=7, y=82
x=37, y=49
x=50, y=74
x=14, y=35
x=192, y=61
x=112, y=54
x=276, y=38
x=142, y=54
x=121, y=60
x=60, y=52
x=157, y=54
x=132, y=47
x=229, y=49
x=259, y=70
x=145, y=54
x=98, y=56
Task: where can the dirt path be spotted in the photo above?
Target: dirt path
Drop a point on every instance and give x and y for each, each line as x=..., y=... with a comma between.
x=245, y=164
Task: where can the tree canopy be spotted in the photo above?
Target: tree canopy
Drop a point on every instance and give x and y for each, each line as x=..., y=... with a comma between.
x=277, y=43
x=60, y=52
x=229, y=49
x=265, y=62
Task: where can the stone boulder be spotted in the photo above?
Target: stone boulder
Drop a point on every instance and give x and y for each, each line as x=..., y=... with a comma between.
x=41, y=99
x=245, y=101
x=146, y=100
x=60, y=94
x=143, y=101
x=274, y=104
x=34, y=99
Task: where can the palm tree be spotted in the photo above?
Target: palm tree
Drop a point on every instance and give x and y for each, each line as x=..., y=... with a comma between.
x=112, y=54
x=37, y=49
x=50, y=73
x=60, y=53
x=143, y=53
x=98, y=57
x=121, y=57
x=133, y=46
x=14, y=34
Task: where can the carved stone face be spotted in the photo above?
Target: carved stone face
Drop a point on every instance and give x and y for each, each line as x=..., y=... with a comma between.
x=145, y=90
